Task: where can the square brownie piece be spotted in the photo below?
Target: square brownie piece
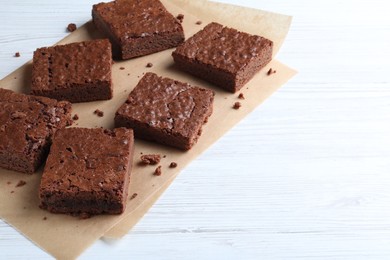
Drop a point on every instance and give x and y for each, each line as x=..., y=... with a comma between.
x=166, y=111
x=223, y=56
x=27, y=124
x=87, y=171
x=137, y=28
x=76, y=72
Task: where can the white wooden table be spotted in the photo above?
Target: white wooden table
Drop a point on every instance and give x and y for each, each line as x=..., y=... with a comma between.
x=307, y=175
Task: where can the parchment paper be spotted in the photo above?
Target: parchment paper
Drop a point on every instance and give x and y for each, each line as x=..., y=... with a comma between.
x=66, y=237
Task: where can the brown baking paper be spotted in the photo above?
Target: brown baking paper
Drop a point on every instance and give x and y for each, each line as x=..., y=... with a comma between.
x=66, y=237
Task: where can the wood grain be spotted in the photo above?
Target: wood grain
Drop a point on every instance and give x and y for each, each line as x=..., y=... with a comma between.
x=314, y=157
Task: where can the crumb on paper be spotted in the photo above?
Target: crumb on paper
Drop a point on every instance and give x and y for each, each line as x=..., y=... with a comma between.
x=128, y=74
x=180, y=17
x=173, y=165
x=71, y=27
x=8, y=182
x=75, y=117
x=241, y=96
x=99, y=113
x=198, y=22
x=12, y=191
x=158, y=171
x=237, y=105
x=44, y=218
x=271, y=71
x=17, y=54
x=151, y=159
x=149, y=65
x=21, y=183
x=122, y=68
x=133, y=196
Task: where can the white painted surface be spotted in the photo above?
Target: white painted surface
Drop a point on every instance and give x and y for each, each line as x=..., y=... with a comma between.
x=306, y=176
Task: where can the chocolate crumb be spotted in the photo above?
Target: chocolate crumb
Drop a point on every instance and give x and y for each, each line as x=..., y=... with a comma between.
x=24, y=208
x=173, y=165
x=149, y=65
x=271, y=71
x=158, y=171
x=99, y=113
x=17, y=54
x=164, y=156
x=199, y=22
x=21, y=183
x=237, y=105
x=12, y=191
x=71, y=27
x=75, y=117
x=8, y=182
x=128, y=74
x=241, y=96
x=44, y=218
x=180, y=17
x=151, y=159
x=133, y=196
x=122, y=68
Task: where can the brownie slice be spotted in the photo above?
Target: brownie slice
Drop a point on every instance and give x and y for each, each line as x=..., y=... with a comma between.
x=77, y=72
x=166, y=111
x=87, y=171
x=137, y=28
x=224, y=56
x=27, y=124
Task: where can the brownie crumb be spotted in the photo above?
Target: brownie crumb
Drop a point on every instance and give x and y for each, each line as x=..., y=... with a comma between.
x=21, y=183
x=149, y=65
x=122, y=68
x=71, y=27
x=99, y=113
x=237, y=105
x=128, y=74
x=17, y=54
x=12, y=191
x=8, y=182
x=75, y=117
x=241, y=96
x=180, y=17
x=164, y=156
x=173, y=165
x=151, y=159
x=199, y=22
x=271, y=71
x=44, y=218
x=133, y=196
x=158, y=171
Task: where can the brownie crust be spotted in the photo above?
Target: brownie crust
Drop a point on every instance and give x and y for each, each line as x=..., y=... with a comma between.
x=166, y=111
x=137, y=28
x=223, y=56
x=27, y=125
x=76, y=72
x=88, y=171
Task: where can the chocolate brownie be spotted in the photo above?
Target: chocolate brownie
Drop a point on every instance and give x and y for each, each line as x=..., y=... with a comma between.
x=224, y=56
x=137, y=27
x=87, y=171
x=27, y=124
x=166, y=111
x=76, y=72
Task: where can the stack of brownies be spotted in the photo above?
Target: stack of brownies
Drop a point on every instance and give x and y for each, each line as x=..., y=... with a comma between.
x=87, y=171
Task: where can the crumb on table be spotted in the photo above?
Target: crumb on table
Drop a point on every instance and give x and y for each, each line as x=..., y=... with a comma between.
x=173, y=165
x=99, y=113
x=71, y=27
x=237, y=105
x=17, y=54
x=271, y=71
x=158, y=171
x=151, y=159
x=21, y=183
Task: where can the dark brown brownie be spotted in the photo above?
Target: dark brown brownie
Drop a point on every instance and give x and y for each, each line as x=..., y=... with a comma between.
x=87, y=171
x=27, y=124
x=224, y=56
x=137, y=28
x=166, y=111
x=77, y=72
